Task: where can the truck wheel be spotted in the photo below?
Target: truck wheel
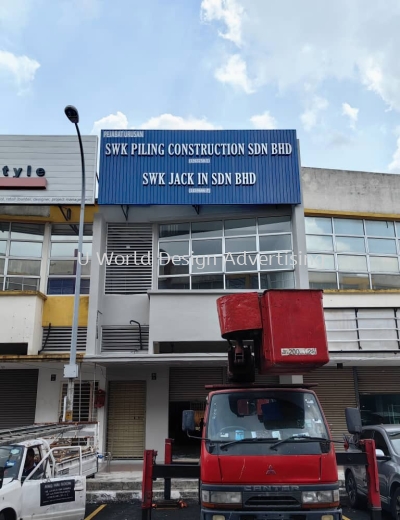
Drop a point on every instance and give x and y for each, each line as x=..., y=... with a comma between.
x=351, y=489
x=394, y=504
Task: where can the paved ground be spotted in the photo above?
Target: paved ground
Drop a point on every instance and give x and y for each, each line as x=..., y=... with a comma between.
x=134, y=512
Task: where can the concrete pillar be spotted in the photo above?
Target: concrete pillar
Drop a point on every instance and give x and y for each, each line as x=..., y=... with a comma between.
x=96, y=294
x=299, y=240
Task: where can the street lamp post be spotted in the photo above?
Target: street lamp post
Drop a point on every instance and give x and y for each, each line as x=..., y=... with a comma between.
x=71, y=370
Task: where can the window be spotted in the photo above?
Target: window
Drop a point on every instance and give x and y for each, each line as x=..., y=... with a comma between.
x=380, y=443
x=20, y=256
x=63, y=259
x=247, y=253
x=352, y=253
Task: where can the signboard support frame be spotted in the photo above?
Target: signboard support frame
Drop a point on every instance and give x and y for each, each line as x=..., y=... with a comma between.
x=67, y=215
x=125, y=211
x=197, y=208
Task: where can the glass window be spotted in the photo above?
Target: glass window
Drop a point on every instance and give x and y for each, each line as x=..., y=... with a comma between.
x=384, y=264
x=274, y=225
x=26, y=249
x=206, y=264
x=207, y=229
x=320, y=261
x=30, y=232
x=21, y=250
x=355, y=281
x=318, y=225
x=208, y=282
x=352, y=263
x=379, y=228
x=28, y=267
x=65, y=249
x=242, y=281
x=385, y=281
x=276, y=243
x=284, y=280
x=217, y=251
x=244, y=262
x=19, y=283
x=174, y=283
x=240, y=227
x=348, y=226
x=322, y=280
x=207, y=247
x=319, y=243
x=239, y=245
x=350, y=245
x=63, y=261
x=175, y=230
x=382, y=246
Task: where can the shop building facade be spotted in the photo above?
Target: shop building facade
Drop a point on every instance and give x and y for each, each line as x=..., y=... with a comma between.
x=40, y=192
x=148, y=327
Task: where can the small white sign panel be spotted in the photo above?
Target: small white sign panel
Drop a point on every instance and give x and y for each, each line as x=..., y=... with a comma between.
x=36, y=169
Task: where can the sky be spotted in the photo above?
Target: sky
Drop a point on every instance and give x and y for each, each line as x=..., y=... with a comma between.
x=329, y=70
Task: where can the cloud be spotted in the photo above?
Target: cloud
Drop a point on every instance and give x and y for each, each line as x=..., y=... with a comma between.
x=21, y=68
x=234, y=72
x=162, y=122
x=351, y=113
x=111, y=122
x=394, y=166
x=356, y=42
x=229, y=12
x=264, y=121
x=310, y=117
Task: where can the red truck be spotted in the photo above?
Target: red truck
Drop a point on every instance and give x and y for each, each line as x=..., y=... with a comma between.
x=267, y=452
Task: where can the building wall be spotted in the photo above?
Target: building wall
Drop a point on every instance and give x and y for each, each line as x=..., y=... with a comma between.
x=333, y=191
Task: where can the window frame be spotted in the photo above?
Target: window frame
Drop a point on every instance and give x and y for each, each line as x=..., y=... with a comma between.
x=259, y=270
x=367, y=254
x=5, y=277
x=87, y=239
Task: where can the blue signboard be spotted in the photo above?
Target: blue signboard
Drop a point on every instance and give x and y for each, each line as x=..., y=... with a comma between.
x=145, y=167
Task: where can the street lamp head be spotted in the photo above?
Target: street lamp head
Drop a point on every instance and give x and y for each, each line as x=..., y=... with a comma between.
x=72, y=114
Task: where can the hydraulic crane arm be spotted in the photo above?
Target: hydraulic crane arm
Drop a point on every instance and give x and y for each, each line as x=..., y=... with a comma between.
x=277, y=332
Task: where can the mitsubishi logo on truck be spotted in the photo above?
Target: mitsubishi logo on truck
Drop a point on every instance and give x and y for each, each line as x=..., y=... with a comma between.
x=271, y=470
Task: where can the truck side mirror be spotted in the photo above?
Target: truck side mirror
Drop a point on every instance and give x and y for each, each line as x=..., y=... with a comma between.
x=353, y=420
x=188, y=424
x=1, y=477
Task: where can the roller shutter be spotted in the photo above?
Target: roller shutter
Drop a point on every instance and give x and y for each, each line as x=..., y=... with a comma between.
x=335, y=392
x=126, y=422
x=378, y=380
x=188, y=384
x=18, y=390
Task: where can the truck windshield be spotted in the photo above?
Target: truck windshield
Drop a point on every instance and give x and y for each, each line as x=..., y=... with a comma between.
x=271, y=415
x=10, y=460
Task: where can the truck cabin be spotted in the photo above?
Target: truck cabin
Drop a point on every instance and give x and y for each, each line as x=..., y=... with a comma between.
x=21, y=460
x=236, y=419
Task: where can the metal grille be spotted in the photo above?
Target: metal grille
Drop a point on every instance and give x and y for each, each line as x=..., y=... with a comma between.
x=58, y=339
x=188, y=383
x=271, y=501
x=126, y=419
x=83, y=409
x=378, y=380
x=124, y=338
x=335, y=391
x=18, y=397
x=129, y=258
x=362, y=329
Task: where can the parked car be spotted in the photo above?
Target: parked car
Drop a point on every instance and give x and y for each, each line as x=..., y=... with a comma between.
x=387, y=445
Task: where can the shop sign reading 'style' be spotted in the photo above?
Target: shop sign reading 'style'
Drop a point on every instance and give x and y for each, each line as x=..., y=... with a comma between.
x=37, y=169
x=159, y=167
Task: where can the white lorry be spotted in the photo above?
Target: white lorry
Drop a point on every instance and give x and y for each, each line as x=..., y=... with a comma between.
x=41, y=476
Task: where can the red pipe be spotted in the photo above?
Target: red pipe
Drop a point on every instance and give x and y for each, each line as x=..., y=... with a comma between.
x=168, y=451
x=374, y=496
x=147, y=483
